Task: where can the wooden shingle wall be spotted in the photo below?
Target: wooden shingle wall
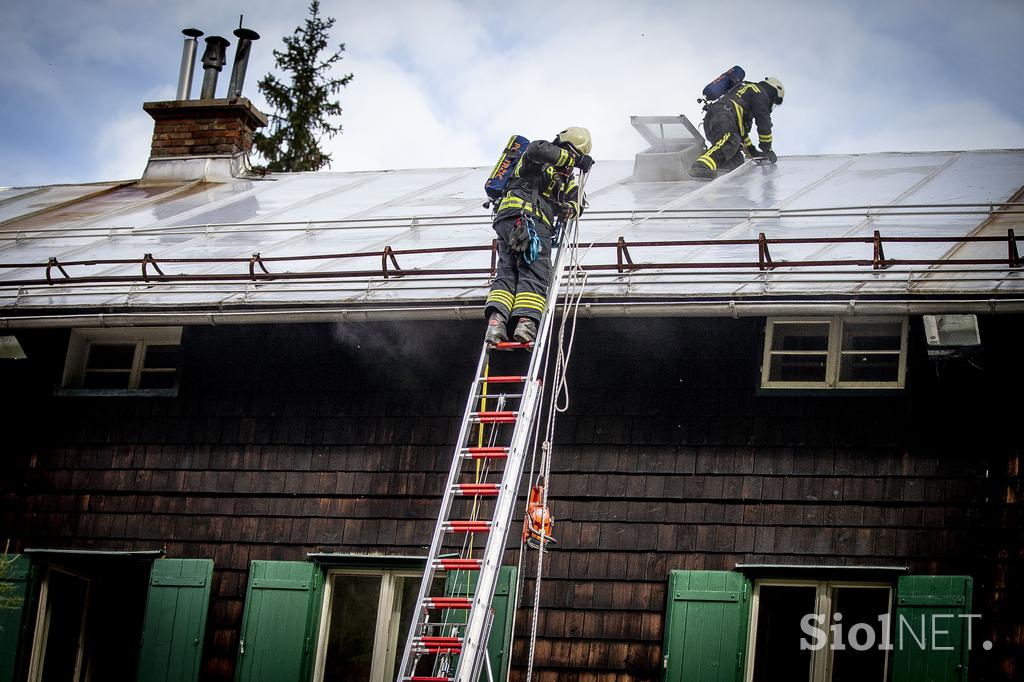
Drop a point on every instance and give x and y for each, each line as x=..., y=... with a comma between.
x=291, y=439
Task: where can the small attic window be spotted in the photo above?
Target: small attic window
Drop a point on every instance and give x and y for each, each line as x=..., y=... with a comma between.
x=834, y=353
x=133, y=361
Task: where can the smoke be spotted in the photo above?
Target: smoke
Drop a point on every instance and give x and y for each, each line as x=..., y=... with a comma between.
x=413, y=348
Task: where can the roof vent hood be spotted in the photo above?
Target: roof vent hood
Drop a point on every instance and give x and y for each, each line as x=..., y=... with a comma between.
x=675, y=145
x=207, y=138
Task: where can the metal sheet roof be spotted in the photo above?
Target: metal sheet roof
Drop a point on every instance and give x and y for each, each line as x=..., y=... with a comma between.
x=186, y=228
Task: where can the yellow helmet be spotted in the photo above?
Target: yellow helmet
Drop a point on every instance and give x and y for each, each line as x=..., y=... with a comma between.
x=779, y=90
x=577, y=137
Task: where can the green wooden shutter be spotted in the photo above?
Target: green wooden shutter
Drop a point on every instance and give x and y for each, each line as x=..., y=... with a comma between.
x=15, y=582
x=279, y=625
x=919, y=599
x=706, y=626
x=499, y=644
x=175, y=623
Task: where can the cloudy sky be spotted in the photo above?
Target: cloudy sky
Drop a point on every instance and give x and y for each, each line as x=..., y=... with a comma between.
x=445, y=82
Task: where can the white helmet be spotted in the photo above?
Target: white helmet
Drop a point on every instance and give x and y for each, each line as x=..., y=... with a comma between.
x=779, y=90
x=577, y=137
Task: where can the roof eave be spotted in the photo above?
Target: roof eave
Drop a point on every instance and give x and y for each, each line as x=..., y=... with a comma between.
x=692, y=307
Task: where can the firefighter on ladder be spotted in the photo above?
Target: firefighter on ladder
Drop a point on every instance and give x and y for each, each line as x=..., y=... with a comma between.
x=727, y=125
x=542, y=188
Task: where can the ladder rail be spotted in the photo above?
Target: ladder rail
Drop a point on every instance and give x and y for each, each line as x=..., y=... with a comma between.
x=473, y=635
x=495, y=547
x=473, y=647
x=481, y=663
x=439, y=533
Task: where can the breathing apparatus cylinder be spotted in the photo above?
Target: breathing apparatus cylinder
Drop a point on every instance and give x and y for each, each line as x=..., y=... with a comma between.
x=723, y=83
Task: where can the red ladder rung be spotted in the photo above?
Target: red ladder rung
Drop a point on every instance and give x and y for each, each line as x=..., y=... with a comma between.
x=458, y=564
x=440, y=645
x=495, y=417
x=440, y=650
x=512, y=345
x=448, y=603
x=439, y=640
x=486, y=453
x=469, y=526
x=474, y=489
x=503, y=380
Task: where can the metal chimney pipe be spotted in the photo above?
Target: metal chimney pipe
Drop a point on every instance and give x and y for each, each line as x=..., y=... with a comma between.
x=213, y=62
x=245, y=38
x=188, y=63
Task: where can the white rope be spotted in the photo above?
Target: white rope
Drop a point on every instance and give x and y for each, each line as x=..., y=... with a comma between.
x=576, y=280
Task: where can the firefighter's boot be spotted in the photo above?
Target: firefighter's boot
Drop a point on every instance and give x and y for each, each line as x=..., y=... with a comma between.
x=497, y=330
x=700, y=171
x=526, y=330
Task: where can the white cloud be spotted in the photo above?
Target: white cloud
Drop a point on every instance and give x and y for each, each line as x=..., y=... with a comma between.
x=28, y=71
x=444, y=83
x=951, y=125
x=389, y=122
x=121, y=149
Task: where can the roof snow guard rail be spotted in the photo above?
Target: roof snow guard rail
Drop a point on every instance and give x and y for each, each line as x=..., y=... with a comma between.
x=624, y=261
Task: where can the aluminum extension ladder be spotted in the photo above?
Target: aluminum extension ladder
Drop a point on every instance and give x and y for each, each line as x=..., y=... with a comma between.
x=447, y=640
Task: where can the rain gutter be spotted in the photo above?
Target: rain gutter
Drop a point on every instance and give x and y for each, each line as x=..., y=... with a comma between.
x=689, y=308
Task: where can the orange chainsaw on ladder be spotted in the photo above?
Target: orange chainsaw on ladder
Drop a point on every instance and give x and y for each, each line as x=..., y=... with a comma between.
x=538, y=522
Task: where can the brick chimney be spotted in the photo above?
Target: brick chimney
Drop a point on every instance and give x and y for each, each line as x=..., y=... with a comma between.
x=206, y=139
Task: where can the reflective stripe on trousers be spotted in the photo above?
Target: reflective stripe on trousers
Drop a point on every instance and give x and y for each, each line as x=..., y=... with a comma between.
x=520, y=288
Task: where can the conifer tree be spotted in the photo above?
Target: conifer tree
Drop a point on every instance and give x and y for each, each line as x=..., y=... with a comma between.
x=303, y=109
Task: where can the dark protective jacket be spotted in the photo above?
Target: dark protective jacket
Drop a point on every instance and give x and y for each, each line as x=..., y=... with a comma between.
x=752, y=102
x=542, y=184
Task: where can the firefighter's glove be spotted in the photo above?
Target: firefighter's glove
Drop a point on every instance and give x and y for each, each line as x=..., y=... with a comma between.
x=518, y=238
x=570, y=210
x=584, y=163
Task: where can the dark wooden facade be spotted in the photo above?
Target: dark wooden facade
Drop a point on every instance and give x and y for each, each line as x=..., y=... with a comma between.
x=289, y=439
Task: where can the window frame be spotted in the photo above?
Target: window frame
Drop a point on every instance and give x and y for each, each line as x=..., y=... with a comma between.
x=83, y=339
x=44, y=612
x=822, y=660
x=833, y=354
x=389, y=605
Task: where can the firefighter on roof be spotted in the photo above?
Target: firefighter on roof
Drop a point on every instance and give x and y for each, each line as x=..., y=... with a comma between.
x=727, y=125
x=541, y=190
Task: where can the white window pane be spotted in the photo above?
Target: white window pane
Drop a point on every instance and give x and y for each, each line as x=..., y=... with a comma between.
x=792, y=336
x=111, y=356
x=803, y=368
x=861, y=608
x=67, y=596
x=408, y=589
x=354, y=601
x=777, y=652
x=869, y=367
x=872, y=335
x=107, y=379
